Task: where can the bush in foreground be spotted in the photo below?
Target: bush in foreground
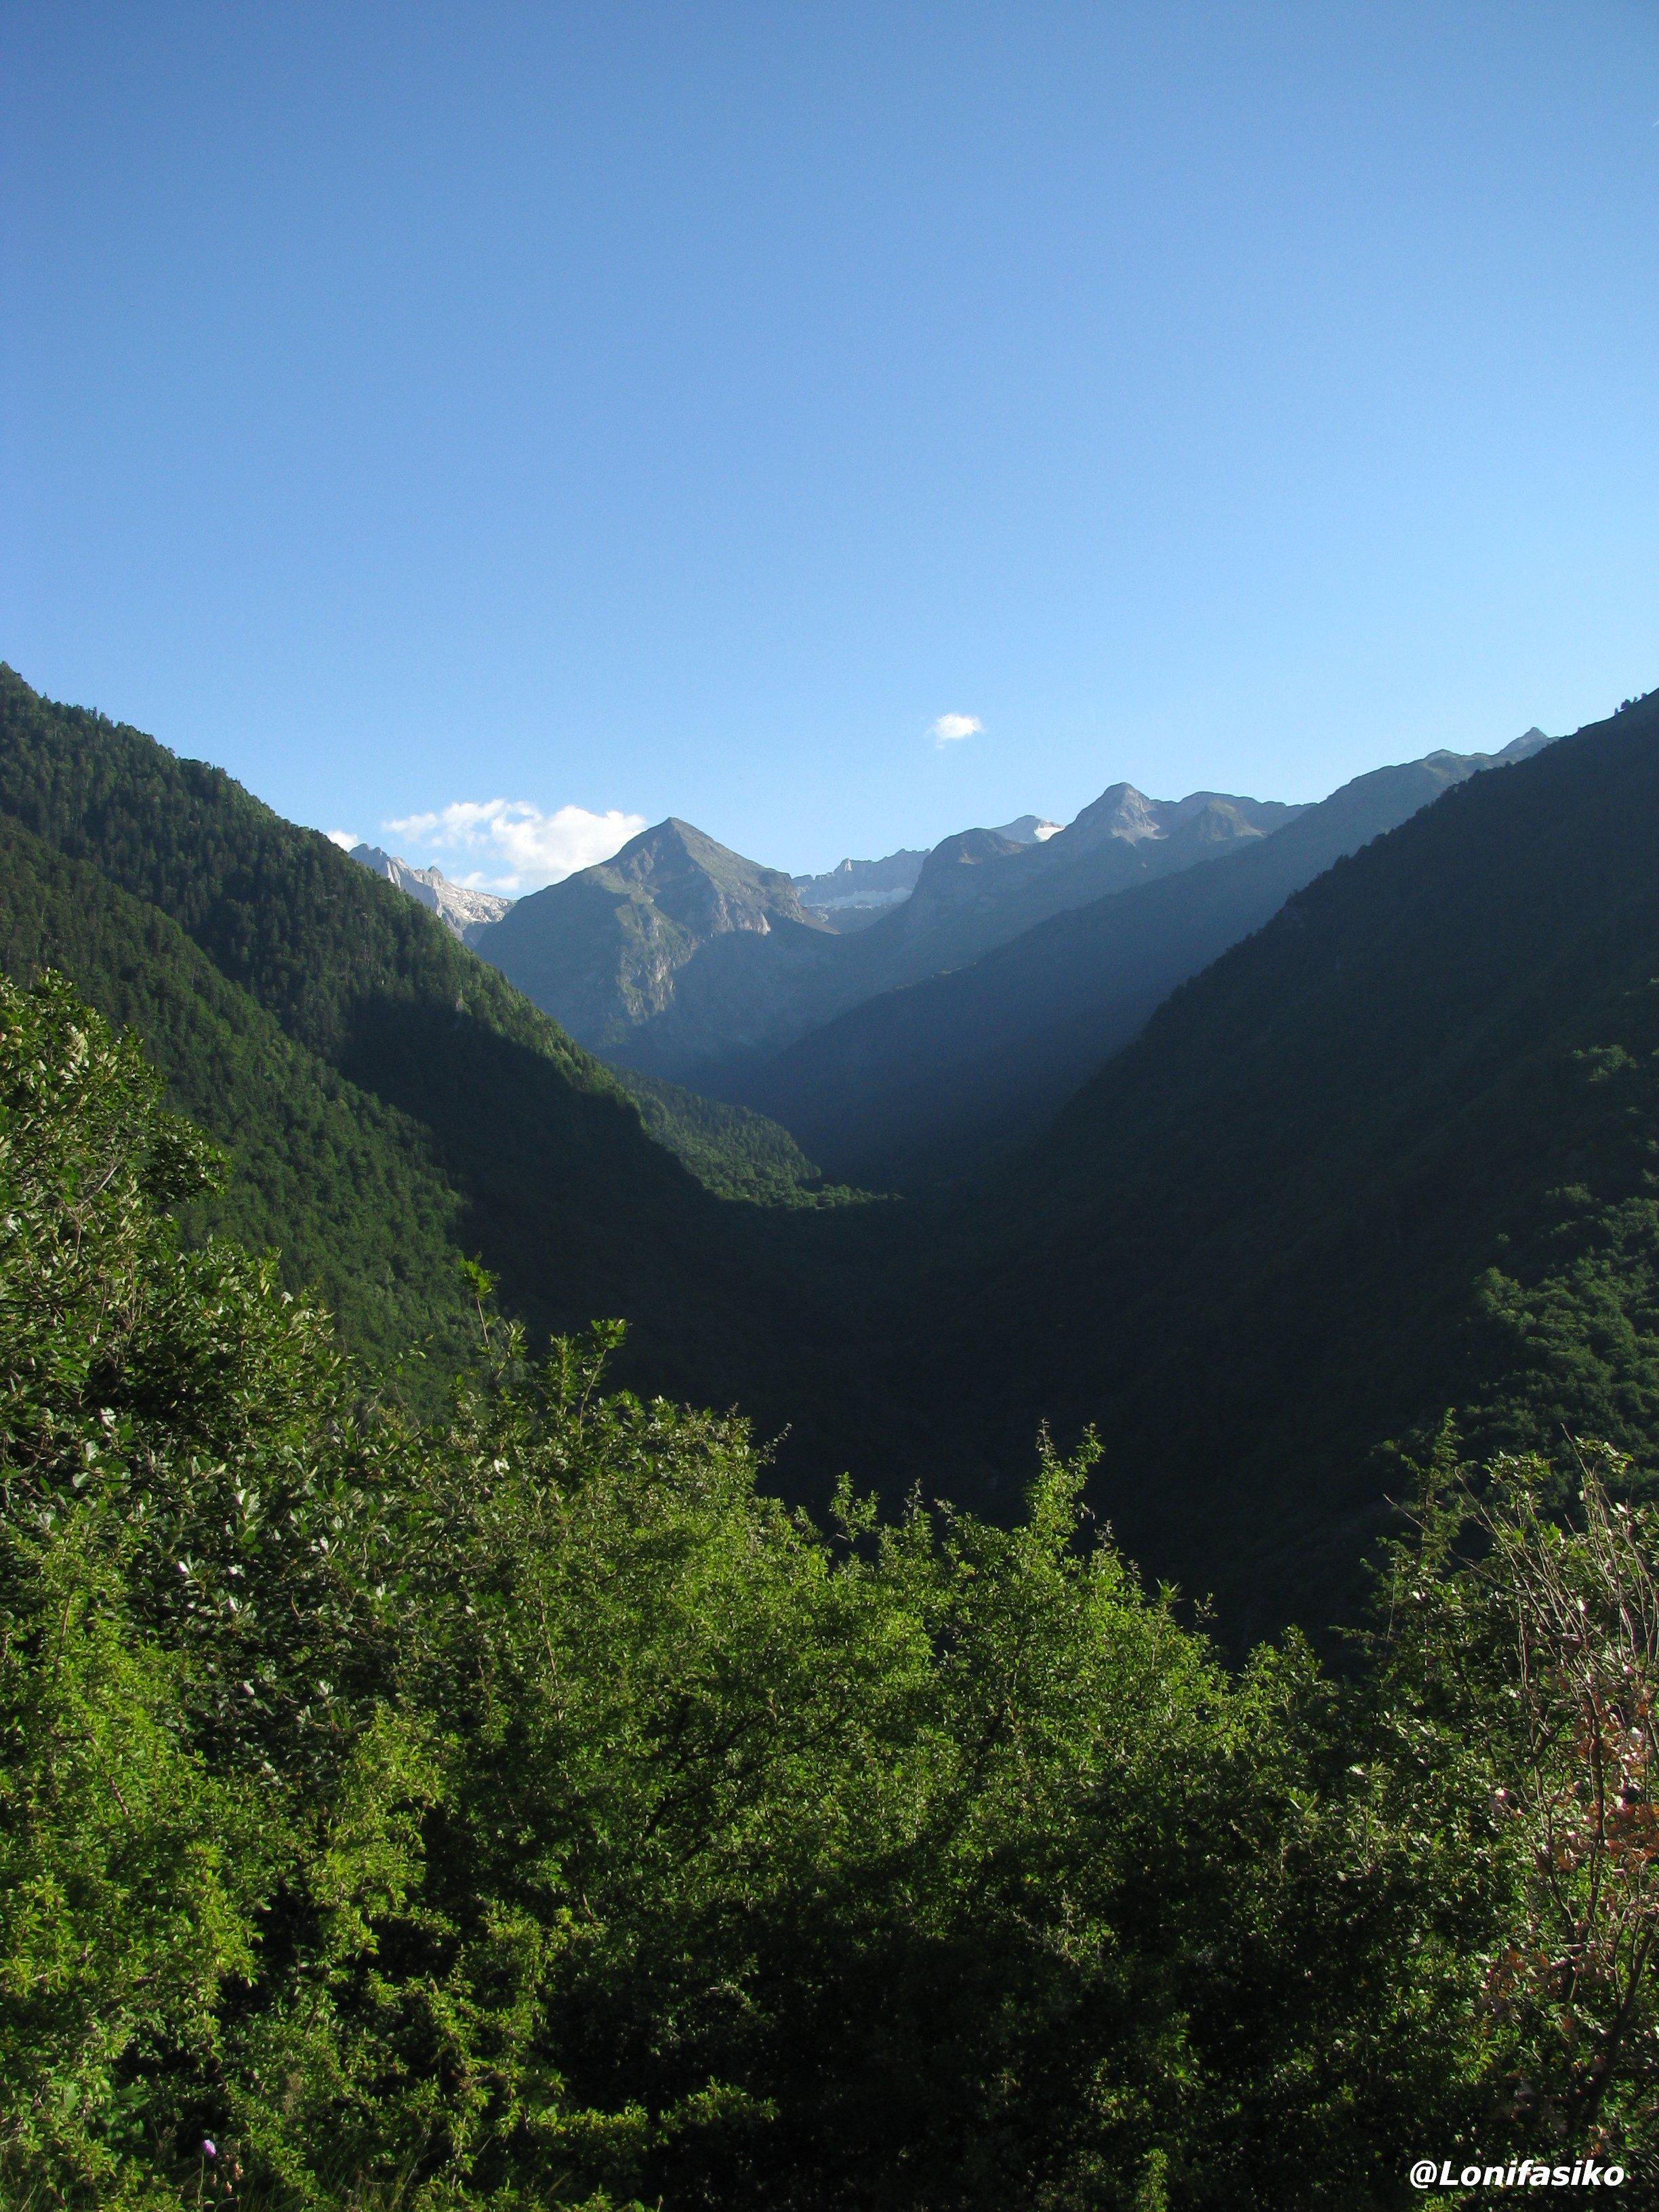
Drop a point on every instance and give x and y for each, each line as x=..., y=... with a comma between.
x=523, y=1809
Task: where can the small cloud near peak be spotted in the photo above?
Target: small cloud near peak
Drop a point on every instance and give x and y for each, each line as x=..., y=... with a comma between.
x=345, y=839
x=949, y=728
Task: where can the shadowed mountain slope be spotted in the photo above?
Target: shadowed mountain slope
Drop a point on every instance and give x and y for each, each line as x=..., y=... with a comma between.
x=1397, y=1152
x=513, y=1143
x=926, y=1083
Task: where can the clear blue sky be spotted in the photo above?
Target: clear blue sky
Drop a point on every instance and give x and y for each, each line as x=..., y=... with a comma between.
x=678, y=409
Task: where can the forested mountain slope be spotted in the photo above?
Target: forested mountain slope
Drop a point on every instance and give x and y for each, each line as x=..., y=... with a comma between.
x=1395, y=1153
x=350, y=1192
x=484, y=1128
x=924, y=1083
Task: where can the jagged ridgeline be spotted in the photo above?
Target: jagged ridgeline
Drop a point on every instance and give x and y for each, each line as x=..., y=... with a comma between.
x=924, y=1083
x=388, y=1102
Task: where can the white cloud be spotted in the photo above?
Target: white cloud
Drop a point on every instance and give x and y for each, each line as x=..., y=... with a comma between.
x=345, y=839
x=949, y=727
x=516, y=847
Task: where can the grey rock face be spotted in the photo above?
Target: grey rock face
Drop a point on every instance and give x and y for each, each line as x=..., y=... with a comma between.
x=608, y=952
x=461, y=910
x=854, y=893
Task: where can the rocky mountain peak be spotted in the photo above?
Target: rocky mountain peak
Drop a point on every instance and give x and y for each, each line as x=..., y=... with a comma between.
x=703, y=887
x=1121, y=811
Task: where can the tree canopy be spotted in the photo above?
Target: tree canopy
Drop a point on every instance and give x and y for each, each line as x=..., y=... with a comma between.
x=518, y=1808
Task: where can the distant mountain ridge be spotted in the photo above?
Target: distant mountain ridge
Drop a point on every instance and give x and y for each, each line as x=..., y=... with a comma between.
x=983, y=887
x=1029, y=829
x=682, y=960
x=458, y=908
x=930, y=1080
x=855, y=892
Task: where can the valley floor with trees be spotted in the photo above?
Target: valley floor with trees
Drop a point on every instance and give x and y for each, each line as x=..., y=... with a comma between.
x=512, y=1806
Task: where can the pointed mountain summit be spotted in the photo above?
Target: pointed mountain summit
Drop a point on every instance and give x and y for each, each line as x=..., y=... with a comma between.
x=687, y=878
x=1127, y=817
x=602, y=950
x=1119, y=811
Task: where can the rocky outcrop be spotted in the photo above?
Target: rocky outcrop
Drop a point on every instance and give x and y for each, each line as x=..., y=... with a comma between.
x=854, y=893
x=461, y=910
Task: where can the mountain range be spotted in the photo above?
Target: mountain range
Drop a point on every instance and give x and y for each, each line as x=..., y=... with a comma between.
x=854, y=894
x=1385, y=1148
x=905, y=1034
x=683, y=959
x=927, y=1081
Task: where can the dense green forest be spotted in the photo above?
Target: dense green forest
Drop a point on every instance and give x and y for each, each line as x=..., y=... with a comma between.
x=517, y=1808
x=731, y=1150
x=348, y=1187
x=388, y=1099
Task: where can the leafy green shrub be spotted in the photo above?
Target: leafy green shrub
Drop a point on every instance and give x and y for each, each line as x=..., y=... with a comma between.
x=522, y=1809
